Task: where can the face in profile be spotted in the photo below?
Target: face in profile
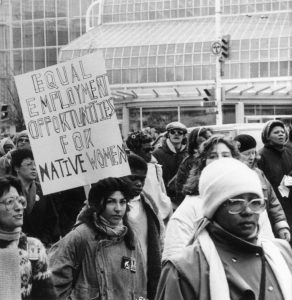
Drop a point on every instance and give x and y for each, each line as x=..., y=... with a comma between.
x=27, y=170
x=248, y=157
x=11, y=210
x=218, y=151
x=115, y=208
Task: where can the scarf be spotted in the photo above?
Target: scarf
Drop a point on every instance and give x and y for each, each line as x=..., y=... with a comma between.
x=106, y=227
x=10, y=236
x=217, y=277
x=10, y=287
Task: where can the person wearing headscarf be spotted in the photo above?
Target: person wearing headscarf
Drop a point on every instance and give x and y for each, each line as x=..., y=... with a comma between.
x=100, y=258
x=196, y=137
x=23, y=260
x=276, y=161
x=170, y=154
x=6, y=145
x=226, y=259
x=247, y=147
x=21, y=140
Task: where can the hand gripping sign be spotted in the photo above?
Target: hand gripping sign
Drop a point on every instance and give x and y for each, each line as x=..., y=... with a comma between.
x=73, y=129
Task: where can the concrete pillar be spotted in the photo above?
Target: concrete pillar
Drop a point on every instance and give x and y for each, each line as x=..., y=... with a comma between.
x=126, y=121
x=239, y=112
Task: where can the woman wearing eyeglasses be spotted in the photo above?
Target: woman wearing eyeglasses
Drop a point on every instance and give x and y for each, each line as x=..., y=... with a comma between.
x=40, y=217
x=24, y=270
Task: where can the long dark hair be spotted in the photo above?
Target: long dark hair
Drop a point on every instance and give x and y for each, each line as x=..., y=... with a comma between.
x=97, y=196
x=191, y=186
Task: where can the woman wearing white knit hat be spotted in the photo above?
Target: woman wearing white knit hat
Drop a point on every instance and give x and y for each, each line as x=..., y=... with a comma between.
x=227, y=260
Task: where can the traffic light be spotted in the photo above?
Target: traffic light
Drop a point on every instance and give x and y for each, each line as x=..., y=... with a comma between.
x=225, y=47
x=4, y=111
x=209, y=98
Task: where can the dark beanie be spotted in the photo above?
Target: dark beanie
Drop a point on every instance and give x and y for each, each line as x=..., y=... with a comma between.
x=246, y=142
x=268, y=128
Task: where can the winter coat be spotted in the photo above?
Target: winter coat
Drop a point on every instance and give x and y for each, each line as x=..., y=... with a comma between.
x=35, y=277
x=42, y=221
x=186, y=276
x=273, y=206
x=275, y=163
x=182, y=175
x=86, y=264
x=170, y=161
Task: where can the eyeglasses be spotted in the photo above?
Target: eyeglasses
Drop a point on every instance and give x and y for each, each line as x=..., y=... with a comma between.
x=236, y=206
x=11, y=202
x=175, y=131
x=29, y=165
x=22, y=140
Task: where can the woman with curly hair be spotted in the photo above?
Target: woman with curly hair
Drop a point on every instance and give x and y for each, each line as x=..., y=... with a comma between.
x=100, y=257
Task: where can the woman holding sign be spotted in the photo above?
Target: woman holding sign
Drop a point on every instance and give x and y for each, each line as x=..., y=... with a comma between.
x=100, y=257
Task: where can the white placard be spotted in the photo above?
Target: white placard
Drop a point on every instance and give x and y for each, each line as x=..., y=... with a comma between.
x=72, y=125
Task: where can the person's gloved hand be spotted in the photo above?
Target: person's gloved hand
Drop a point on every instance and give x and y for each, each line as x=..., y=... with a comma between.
x=284, y=234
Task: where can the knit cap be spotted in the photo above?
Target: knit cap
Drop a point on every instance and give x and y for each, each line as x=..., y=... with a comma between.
x=246, y=142
x=224, y=179
x=176, y=125
x=268, y=128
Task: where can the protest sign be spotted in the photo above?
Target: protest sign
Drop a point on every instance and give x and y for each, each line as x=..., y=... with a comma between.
x=73, y=129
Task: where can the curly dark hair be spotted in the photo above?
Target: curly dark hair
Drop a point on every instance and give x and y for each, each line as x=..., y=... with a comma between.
x=193, y=138
x=98, y=193
x=8, y=181
x=136, y=139
x=192, y=184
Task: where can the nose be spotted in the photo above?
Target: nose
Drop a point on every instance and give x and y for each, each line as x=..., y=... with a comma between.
x=247, y=211
x=118, y=207
x=18, y=206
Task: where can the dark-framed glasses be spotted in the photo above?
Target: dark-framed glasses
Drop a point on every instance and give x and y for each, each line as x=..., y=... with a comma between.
x=176, y=131
x=236, y=205
x=12, y=201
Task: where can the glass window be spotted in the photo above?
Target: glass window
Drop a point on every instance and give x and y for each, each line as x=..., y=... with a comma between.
x=51, y=33
x=264, y=69
x=17, y=62
x=39, y=34
x=27, y=35
x=15, y=9
x=274, y=69
x=179, y=73
x=283, y=68
x=51, y=57
x=27, y=10
x=197, y=72
x=254, y=70
x=62, y=8
x=152, y=75
x=170, y=60
x=39, y=58
x=234, y=71
x=75, y=29
x=27, y=60
x=188, y=73
x=50, y=8
x=134, y=119
x=161, y=74
x=244, y=70
x=62, y=32
x=17, y=38
x=169, y=74
x=38, y=9
x=74, y=8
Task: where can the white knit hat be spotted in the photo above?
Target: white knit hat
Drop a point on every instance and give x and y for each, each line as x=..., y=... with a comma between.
x=224, y=179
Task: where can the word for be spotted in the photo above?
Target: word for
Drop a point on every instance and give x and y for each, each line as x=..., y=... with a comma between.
x=66, y=98
x=69, y=120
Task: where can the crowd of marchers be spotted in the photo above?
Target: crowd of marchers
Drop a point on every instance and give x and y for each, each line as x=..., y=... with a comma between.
x=200, y=217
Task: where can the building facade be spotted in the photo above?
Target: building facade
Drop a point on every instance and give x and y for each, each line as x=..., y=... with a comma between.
x=159, y=61
x=158, y=54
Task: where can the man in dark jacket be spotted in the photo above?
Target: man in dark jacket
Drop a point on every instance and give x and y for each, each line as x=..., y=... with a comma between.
x=170, y=155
